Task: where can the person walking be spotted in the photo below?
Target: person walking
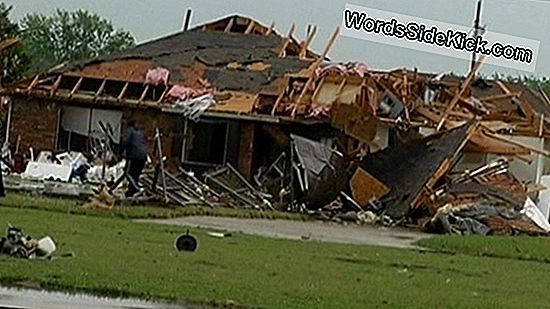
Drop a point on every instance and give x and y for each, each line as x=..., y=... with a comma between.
x=135, y=148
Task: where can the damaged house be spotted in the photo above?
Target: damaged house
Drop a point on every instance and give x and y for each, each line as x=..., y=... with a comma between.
x=216, y=71
x=234, y=92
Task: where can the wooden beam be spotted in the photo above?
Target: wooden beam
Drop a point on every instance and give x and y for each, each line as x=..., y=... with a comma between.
x=287, y=41
x=526, y=109
x=314, y=67
x=279, y=99
x=270, y=30
x=307, y=42
x=465, y=84
x=163, y=94
x=404, y=93
x=229, y=25
x=504, y=139
x=144, y=93
x=76, y=86
x=33, y=83
x=56, y=84
x=250, y=27
x=544, y=96
x=123, y=91
x=101, y=87
x=504, y=96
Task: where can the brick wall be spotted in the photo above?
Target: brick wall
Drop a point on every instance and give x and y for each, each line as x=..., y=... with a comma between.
x=36, y=122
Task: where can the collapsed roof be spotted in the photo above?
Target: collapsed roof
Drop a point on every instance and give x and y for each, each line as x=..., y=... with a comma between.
x=236, y=56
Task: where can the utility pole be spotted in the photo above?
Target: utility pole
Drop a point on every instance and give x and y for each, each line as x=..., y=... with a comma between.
x=477, y=29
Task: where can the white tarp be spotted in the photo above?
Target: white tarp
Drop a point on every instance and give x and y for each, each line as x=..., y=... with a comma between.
x=531, y=210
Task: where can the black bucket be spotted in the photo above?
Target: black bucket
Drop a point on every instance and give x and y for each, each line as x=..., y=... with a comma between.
x=186, y=242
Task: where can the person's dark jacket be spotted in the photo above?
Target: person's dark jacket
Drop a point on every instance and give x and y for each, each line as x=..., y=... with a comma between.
x=135, y=145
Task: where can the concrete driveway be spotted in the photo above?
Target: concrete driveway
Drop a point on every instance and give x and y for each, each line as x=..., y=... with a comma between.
x=311, y=231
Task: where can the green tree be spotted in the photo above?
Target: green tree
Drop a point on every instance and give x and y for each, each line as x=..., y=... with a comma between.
x=69, y=36
x=533, y=82
x=13, y=61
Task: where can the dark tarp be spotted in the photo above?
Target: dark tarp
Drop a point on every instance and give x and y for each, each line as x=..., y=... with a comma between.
x=407, y=167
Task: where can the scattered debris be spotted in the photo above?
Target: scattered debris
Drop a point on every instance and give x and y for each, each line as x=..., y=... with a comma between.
x=219, y=234
x=19, y=245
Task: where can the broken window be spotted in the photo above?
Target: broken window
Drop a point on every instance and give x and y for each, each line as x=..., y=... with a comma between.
x=205, y=142
x=79, y=124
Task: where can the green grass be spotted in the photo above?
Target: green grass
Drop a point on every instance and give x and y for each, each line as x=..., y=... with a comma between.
x=512, y=247
x=74, y=206
x=125, y=258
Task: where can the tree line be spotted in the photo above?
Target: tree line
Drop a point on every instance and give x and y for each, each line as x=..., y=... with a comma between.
x=47, y=41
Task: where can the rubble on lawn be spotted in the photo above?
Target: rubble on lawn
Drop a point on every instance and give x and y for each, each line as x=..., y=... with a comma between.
x=17, y=244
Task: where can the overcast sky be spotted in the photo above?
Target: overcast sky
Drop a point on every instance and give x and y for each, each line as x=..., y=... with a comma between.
x=148, y=19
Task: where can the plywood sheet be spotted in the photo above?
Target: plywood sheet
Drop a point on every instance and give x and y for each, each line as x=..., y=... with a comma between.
x=238, y=102
x=364, y=187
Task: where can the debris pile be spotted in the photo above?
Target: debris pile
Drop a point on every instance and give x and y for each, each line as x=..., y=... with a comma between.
x=19, y=245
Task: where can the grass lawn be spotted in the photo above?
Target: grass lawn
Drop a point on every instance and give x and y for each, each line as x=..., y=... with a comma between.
x=73, y=206
x=120, y=257
x=519, y=248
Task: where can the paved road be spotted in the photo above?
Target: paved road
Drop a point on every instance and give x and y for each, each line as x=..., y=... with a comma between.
x=35, y=299
x=313, y=231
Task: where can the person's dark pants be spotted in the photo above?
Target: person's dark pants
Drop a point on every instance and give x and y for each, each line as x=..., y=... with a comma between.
x=133, y=169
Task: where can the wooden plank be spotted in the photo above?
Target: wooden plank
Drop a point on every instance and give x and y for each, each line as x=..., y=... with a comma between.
x=287, y=41
x=76, y=86
x=504, y=96
x=56, y=84
x=544, y=95
x=250, y=27
x=270, y=30
x=161, y=161
x=100, y=89
x=286, y=81
x=404, y=93
x=306, y=43
x=163, y=94
x=123, y=91
x=314, y=67
x=33, y=83
x=144, y=93
x=524, y=107
x=279, y=99
x=461, y=91
x=229, y=25
x=365, y=187
x=504, y=139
